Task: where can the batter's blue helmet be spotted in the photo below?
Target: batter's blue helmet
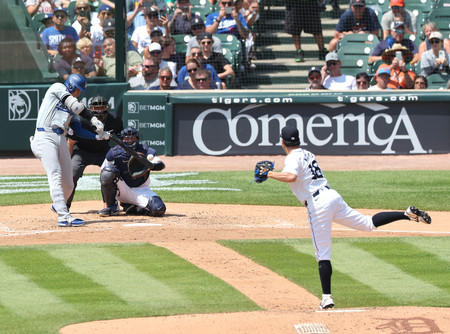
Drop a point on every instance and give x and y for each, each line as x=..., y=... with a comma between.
x=75, y=81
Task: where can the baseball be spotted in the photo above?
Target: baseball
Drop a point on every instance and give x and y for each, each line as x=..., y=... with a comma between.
x=150, y=157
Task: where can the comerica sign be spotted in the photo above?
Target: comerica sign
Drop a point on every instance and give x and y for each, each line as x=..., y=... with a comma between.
x=334, y=128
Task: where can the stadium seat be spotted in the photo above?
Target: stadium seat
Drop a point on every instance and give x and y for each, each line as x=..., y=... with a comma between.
x=441, y=16
x=230, y=57
x=355, y=66
x=203, y=12
x=355, y=50
x=181, y=42
x=438, y=81
x=351, y=39
x=232, y=43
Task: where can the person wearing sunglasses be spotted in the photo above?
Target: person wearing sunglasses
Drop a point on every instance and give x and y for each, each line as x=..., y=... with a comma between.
x=428, y=28
x=147, y=78
x=192, y=67
x=398, y=12
x=397, y=37
x=362, y=80
x=53, y=35
x=165, y=80
x=203, y=79
x=216, y=60
x=435, y=60
x=136, y=17
x=65, y=64
x=197, y=54
x=421, y=82
x=333, y=79
x=197, y=28
x=141, y=35
x=315, y=79
x=82, y=23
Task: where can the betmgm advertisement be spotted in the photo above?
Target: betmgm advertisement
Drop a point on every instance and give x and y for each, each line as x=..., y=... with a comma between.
x=326, y=129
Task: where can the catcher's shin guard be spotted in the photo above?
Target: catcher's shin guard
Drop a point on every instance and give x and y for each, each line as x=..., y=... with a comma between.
x=108, y=180
x=156, y=206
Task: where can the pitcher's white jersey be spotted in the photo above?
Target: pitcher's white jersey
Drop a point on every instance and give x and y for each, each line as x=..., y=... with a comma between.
x=309, y=175
x=53, y=113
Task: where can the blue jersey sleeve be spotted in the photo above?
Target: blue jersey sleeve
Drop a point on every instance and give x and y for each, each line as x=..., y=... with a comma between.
x=80, y=131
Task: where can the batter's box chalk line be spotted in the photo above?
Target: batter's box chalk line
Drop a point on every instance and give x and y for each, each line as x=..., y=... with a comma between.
x=311, y=328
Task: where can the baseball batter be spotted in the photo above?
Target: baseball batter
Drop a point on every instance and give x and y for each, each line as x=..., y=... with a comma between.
x=60, y=110
x=325, y=205
x=118, y=185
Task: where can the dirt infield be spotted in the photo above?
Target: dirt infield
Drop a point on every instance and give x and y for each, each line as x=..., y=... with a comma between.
x=190, y=230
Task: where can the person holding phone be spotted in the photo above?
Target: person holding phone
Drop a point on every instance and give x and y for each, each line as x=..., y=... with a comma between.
x=227, y=21
x=435, y=60
x=180, y=20
x=333, y=79
x=84, y=18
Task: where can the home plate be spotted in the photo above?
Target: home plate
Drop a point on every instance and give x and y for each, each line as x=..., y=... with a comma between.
x=143, y=224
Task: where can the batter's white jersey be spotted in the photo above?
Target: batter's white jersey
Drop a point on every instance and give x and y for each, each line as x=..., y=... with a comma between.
x=53, y=113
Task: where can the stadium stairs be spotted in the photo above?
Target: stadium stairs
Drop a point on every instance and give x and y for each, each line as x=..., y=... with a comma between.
x=276, y=67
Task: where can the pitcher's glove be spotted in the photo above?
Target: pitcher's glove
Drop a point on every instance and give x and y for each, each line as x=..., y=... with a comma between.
x=261, y=170
x=136, y=168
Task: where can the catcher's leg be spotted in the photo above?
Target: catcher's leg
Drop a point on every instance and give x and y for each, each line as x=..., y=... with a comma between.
x=156, y=206
x=108, y=180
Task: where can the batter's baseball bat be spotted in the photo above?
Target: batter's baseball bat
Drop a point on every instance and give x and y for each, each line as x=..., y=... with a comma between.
x=132, y=152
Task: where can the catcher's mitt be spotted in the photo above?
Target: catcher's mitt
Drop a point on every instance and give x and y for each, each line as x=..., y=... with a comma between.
x=136, y=168
x=261, y=170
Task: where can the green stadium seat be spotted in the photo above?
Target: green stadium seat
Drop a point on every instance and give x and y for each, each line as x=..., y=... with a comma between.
x=203, y=12
x=355, y=66
x=233, y=44
x=181, y=42
x=355, y=50
x=441, y=16
x=438, y=81
x=352, y=39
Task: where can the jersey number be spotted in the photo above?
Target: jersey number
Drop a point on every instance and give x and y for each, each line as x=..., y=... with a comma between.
x=315, y=170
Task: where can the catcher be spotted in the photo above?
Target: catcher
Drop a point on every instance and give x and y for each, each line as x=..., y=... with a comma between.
x=125, y=179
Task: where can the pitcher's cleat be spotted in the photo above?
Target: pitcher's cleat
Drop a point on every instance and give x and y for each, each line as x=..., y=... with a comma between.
x=327, y=302
x=418, y=215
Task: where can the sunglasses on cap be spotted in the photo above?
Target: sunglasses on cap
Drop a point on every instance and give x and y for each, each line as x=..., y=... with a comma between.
x=192, y=70
x=435, y=41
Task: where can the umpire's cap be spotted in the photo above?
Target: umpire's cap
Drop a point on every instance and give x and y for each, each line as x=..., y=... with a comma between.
x=290, y=136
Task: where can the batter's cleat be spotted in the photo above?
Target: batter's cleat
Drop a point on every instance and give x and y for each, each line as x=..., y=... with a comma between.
x=327, y=302
x=113, y=210
x=418, y=215
x=75, y=222
x=53, y=209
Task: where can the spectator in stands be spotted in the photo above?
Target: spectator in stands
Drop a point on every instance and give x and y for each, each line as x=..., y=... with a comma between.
x=203, y=79
x=168, y=55
x=420, y=82
x=105, y=26
x=382, y=78
x=192, y=66
x=180, y=20
x=83, y=20
x=153, y=51
x=397, y=37
x=304, y=16
x=147, y=78
x=141, y=35
x=428, y=28
x=84, y=45
x=165, y=80
x=227, y=21
x=197, y=28
x=52, y=36
x=47, y=20
x=68, y=51
x=79, y=67
x=41, y=6
x=401, y=76
x=362, y=81
x=336, y=12
x=435, y=60
x=250, y=19
x=333, y=79
x=315, y=79
x=359, y=19
x=398, y=13
x=216, y=60
x=106, y=65
x=197, y=53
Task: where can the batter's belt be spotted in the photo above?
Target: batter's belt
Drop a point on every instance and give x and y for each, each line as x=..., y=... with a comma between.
x=316, y=194
x=55, y=130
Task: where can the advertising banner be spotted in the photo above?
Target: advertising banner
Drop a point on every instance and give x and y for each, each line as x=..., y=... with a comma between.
x=327, y=129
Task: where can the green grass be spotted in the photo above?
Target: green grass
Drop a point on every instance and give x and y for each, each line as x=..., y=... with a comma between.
x=46, y=287
x=367, y=272
x=394, y=190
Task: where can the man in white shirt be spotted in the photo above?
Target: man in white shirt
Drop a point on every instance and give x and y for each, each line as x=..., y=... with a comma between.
x=334, y=79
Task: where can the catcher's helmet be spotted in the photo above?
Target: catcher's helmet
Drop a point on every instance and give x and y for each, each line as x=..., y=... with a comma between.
x=75, y=81
x=130, y=137
x=99, y=107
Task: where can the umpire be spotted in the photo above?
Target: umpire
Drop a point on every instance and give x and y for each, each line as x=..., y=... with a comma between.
x=87, y=152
